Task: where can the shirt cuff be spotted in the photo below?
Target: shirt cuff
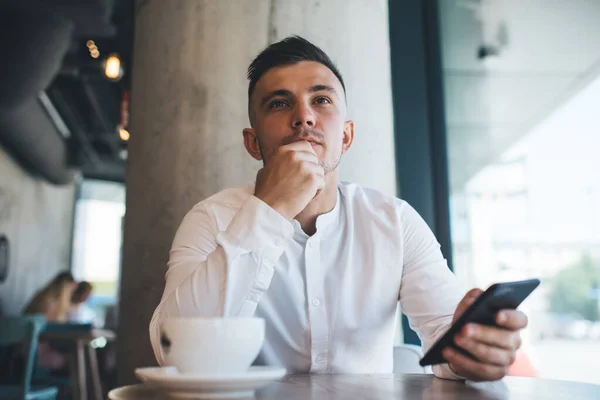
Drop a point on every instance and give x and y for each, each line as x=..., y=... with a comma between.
x=259, y=228
x=443, y=371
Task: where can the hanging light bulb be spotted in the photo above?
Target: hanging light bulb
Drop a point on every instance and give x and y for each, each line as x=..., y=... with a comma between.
x=94, y=52
x=124, y=134
x=113, y=69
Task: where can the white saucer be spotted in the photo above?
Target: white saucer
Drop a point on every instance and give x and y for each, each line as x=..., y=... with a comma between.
x=202, y=386
x=135, y=392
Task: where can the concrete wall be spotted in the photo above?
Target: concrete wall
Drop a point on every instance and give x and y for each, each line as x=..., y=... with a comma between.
x=355, y=34
x=37, y=218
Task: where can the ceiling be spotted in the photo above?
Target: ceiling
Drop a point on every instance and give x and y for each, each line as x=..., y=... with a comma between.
x=84, y=106
x=89, y=103
x=547, y=51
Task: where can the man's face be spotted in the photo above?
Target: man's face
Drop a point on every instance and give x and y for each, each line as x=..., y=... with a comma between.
x=303, y=101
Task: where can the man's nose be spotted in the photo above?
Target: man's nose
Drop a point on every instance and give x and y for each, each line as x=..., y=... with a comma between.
x=303, y=118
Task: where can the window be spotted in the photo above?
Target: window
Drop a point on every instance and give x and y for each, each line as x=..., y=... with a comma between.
x=97, y=241
x=523, y=136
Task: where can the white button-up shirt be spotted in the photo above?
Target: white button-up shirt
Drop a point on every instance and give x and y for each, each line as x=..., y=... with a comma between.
x=329, y=300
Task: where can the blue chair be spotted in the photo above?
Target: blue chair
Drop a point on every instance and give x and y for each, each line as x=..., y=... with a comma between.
x=24, y=330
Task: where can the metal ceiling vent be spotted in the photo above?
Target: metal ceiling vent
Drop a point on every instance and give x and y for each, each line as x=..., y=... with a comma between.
x=33, y=43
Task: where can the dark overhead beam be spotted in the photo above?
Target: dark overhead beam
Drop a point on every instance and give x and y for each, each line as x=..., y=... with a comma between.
x=109, y=170
x=99, y=111
x=74, y=122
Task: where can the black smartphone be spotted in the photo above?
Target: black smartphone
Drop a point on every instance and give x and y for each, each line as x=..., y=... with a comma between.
x=500, y=296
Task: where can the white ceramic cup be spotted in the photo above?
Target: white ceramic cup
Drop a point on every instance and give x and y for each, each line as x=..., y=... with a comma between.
x=212, y=345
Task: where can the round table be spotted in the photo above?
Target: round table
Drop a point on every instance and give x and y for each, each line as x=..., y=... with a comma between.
x=406, y=386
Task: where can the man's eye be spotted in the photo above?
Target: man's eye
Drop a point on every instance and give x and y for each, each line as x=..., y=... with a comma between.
x=277, y=104
x=322, y=100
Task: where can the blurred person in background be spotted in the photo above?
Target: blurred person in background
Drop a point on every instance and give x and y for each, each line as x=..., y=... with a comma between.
x=53, y=301
x=79, y=311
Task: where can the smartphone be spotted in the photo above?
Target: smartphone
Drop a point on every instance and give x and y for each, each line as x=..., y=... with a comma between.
x=500, y=296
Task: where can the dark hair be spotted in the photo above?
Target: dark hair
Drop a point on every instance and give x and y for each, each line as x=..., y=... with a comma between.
x=290, y=50
x=83, y=288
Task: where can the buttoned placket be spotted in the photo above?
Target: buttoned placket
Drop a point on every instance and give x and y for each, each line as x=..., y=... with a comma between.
x=317, y=308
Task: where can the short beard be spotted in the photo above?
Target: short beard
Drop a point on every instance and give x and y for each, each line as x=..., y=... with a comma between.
x=330, y=167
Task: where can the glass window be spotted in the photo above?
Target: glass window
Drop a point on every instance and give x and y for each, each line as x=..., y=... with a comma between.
x=97, y=239
x=523, y=125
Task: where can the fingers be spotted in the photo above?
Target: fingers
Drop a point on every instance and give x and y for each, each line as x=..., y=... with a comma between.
x=303, y=156
x=466, y=301
x=472, y=369
x=471, y=296
x=313, y=168
x=301, y=145
x=316, y=174
x=492, y=336
x=486, y=353
x=512, y=319
x=299, y=151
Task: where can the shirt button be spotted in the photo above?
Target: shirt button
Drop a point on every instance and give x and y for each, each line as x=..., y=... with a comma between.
x=316, y=302
x=278, y=242
x=310, y=244
x=321, y=358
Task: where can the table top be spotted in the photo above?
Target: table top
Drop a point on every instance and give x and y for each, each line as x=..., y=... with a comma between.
x=401, y=386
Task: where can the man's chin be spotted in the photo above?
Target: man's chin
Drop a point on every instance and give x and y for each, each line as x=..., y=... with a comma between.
x=330, y=167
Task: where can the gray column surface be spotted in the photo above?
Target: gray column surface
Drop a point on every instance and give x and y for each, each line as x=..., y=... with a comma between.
x=189, y=106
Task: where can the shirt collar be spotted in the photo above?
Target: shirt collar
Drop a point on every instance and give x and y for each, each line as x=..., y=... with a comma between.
x=324, y=221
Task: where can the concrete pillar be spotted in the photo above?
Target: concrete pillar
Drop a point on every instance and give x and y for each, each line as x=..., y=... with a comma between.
x=189, y=106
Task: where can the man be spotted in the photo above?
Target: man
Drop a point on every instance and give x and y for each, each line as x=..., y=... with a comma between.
x=323, y=262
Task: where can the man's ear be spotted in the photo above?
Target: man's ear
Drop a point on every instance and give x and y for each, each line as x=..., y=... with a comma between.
x=251, y=143
x=348, y=136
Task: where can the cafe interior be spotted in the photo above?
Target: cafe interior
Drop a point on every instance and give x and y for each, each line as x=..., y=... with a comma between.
x=117, y=117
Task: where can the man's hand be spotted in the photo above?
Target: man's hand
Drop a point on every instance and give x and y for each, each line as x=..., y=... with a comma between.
x=494, y=348
x=291, y=180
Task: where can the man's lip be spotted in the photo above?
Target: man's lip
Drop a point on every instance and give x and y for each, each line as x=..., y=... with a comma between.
x=312, y=142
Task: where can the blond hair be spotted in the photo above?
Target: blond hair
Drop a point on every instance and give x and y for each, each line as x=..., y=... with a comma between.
x=54, y=299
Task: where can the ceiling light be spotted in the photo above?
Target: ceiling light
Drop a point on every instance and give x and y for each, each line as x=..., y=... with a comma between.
x=90, y=43
x=112, y=67
x=124, y=134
